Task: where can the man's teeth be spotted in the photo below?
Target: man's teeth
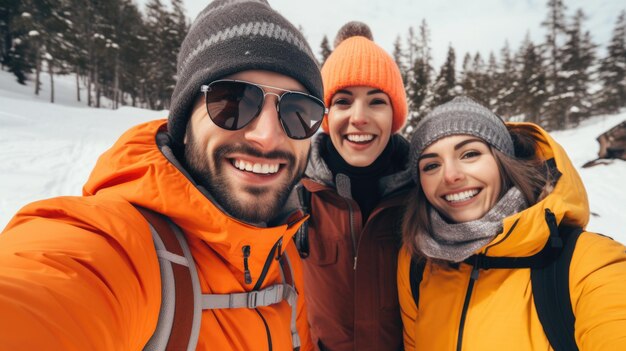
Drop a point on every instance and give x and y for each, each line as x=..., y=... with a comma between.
x=462, y=196
x=264, y=168
x=359, y=138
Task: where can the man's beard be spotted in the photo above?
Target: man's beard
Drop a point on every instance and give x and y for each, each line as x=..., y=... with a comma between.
x=213, y=179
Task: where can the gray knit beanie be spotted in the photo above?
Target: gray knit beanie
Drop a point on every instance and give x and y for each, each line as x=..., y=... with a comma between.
x=230, y=36
x=462, y=115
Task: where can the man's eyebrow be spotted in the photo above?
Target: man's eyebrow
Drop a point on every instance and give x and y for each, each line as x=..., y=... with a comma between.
x=375, y=91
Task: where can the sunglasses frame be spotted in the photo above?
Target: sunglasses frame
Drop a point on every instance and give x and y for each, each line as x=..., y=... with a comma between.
x=205, y=89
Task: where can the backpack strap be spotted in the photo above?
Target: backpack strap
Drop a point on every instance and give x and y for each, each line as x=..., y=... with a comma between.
x=301, y=238
x=287, y=276
x=270, y=295
x=182, y=301
x=416, y=273
x=551, y=291
x=178, y=326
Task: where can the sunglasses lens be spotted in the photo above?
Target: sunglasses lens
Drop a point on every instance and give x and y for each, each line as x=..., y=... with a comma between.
x=232, y=105
x=300, y=115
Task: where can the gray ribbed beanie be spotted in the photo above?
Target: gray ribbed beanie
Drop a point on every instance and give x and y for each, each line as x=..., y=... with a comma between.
x=462, y=115
x=230, y=36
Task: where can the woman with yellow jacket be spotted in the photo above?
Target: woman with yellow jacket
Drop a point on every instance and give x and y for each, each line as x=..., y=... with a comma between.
x=491, y=201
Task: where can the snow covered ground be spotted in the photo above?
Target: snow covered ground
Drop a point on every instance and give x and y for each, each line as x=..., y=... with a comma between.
x=49, y=150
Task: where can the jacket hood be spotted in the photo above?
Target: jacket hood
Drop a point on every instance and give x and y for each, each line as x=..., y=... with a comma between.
x=318, y=171
x=526, y=232
x=141, y=168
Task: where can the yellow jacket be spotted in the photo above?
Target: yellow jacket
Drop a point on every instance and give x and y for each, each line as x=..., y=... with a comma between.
x=501, y=314
x=81, y=273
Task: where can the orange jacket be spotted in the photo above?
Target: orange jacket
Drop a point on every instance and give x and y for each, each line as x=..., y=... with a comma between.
x=81, y=273
x=501, y=314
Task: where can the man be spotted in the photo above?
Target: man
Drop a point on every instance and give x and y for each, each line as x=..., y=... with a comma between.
x=82, y=273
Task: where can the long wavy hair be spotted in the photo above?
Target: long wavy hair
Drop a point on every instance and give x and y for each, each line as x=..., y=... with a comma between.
x=526, y=171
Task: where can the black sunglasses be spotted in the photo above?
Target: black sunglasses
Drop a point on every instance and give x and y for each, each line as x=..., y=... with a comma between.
x=233, y=104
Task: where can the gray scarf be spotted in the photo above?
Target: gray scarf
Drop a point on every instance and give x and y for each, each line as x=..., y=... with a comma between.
x=457, y=241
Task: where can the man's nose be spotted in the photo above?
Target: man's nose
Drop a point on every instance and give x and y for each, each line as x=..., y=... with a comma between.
x=266, y=131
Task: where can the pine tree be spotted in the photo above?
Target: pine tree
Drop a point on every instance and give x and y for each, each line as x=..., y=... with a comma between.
x=16, y=49
x=445, y=87
x=506, y=85
x=489, y=84
x=177, y=30
x=325, y=50
x=556, y=105
x=158, y=62
x=532, y=81
x=76, y=37
x=422, y=74
x=411, y=46
x=418, y=78
x=480, y=80
x=398, y=57
x=612, y=71
x=132, y=53
x=577, y=59
x=467, y=81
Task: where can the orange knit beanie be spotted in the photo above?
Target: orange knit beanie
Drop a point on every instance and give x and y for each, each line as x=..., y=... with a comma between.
x=358, y=61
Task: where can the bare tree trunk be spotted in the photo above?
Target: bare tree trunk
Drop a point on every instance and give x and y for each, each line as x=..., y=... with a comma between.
x=97, y=86
x=77, y=85
x=116, y=85
x=37, y=70
x=89, y=79
x=143, y=95
x=51, y=71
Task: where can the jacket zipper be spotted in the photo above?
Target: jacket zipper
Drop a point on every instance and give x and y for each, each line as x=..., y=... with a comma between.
x=266, y=265
x=257, y=286
x=267, y=330
x=468, y=296
x=354, y=243
x=246, y=271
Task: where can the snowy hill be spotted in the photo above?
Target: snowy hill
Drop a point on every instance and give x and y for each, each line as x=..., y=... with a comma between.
x=49, y=150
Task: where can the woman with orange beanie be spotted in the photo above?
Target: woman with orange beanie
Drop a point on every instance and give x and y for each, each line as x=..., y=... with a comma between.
x=357, y=179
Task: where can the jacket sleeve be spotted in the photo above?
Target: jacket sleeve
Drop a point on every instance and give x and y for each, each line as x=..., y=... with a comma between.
x=598, y=293
x=77, y=276
x=408, y=308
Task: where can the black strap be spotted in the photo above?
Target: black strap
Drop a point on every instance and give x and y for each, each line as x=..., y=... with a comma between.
x=552, y=298
x=301, y=238
x=416, y=272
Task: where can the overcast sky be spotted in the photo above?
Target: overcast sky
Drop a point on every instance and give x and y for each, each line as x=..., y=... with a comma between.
x=470, y=26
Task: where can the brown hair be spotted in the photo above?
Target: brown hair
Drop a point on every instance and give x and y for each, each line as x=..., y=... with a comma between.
x=526, y=171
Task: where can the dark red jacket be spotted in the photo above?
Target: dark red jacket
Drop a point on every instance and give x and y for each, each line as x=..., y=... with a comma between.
x=350, y=274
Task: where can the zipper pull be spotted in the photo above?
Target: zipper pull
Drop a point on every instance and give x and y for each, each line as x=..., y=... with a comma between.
x=355, y=263
x=474, y=274
x=475, y=268
x=279, y=249
x=246, y=270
